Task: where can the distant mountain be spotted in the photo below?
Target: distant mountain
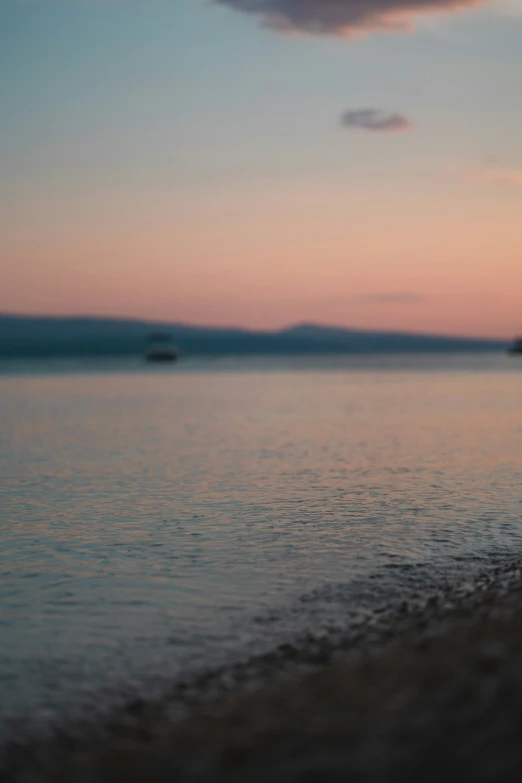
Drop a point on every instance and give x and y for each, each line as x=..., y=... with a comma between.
x=46, y=336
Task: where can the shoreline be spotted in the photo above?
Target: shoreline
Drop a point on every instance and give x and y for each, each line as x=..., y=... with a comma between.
x=352, y=699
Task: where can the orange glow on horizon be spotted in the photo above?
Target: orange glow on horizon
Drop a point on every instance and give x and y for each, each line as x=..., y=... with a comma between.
x=443, y=260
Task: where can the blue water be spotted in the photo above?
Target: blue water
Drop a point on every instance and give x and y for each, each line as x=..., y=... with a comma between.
x=155, y=520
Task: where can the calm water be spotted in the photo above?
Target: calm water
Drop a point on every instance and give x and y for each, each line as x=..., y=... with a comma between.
x=156, y=520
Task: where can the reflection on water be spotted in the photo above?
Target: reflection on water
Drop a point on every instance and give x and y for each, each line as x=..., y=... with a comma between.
x=148, y=517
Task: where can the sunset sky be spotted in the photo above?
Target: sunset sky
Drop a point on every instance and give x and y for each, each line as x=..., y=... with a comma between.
x=264, y=162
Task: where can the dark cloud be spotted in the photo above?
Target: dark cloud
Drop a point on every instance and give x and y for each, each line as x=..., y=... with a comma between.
x=398, y=297
x=342, y=17
x=375, y=120
x=381, y=298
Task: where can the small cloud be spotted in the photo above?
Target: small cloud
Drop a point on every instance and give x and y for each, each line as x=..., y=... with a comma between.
x=487, y=174
x=375, y=121
x=506, y=176
x=342, y=17
x=392, y=297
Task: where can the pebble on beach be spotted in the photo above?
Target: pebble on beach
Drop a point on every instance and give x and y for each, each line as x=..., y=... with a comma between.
x=426, y=689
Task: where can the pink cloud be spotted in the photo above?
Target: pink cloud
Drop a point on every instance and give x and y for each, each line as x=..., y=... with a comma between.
x=342, y=17
x=507, y=176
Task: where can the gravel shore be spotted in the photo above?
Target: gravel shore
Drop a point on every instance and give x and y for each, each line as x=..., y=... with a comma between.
x=429, y=688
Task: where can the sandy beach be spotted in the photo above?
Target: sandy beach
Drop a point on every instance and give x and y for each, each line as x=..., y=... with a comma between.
x=430, y=687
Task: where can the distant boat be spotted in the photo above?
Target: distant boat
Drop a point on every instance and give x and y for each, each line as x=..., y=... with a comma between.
x=516, y=346
x=161, y=348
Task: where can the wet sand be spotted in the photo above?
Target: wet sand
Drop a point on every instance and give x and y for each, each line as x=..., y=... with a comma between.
x=428, y=689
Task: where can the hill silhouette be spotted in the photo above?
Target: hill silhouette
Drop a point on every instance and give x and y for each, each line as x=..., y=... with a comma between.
x=46, y=336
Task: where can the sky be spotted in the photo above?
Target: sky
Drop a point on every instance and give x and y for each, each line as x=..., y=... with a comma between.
x=264, y=162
